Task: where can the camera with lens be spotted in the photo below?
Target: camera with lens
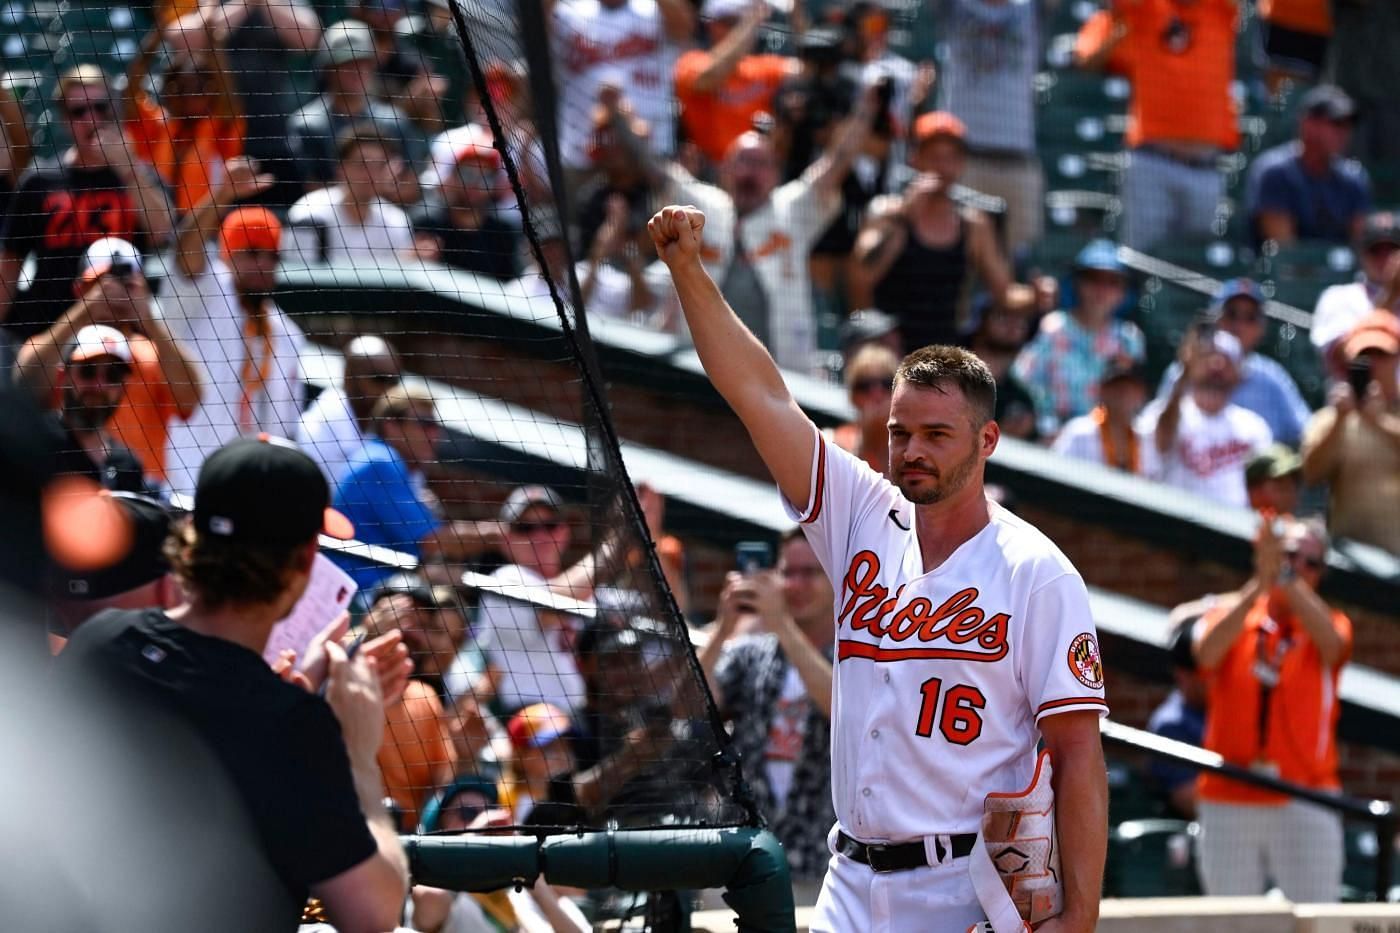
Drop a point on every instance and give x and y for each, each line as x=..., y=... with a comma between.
x=121, y=267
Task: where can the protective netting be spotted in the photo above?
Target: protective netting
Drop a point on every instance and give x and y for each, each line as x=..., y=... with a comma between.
x=319, y=224
x=374, y=226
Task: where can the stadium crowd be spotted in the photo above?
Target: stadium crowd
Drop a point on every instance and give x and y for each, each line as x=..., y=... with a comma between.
x=859, y=204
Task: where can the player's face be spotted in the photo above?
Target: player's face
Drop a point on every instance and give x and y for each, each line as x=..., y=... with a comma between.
x=806, y=589
x=936, y=447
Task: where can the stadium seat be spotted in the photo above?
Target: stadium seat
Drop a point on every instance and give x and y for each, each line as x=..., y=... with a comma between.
x=1129, y=797
x=1152, y=858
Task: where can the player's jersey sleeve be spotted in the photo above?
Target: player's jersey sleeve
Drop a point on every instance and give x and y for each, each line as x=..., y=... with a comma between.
x=843, y=491
x=1060, y=662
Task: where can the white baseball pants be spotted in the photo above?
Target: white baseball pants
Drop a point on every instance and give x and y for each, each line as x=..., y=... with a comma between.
x=935, y=899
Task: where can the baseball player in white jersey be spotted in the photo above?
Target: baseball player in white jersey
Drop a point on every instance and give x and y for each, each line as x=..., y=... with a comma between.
x=963, y=638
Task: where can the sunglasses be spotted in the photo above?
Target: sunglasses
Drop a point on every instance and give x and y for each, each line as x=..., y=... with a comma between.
x=1312, y=563
x=873, y=383
x=99, y=108
x=545, y=525
x=106, y=372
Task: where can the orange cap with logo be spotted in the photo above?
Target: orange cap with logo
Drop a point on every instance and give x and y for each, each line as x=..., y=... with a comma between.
x=249, y=228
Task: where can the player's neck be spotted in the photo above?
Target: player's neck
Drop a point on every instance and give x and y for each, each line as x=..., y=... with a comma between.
x=247, y=625
x=944, y=526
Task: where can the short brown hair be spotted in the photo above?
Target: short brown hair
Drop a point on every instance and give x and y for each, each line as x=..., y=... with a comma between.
x=939, y=366
x=222, y=573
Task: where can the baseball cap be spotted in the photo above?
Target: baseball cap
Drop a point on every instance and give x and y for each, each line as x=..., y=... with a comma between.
x=537, y=725
x=1329, y=101
x=346, y=41
x=1378, y=330
x=142, y=561
x=938, y=123
x=1239, y=288
x=249, y=228
x=523, y=498
x=1100, y=256
x=101, y=255
x=865, y=325
x=417, y=589
x=1380, y=227
x=264, y=490
x=98, y=340
x=1122, y=367
x=464, y=784
x=1274, y=462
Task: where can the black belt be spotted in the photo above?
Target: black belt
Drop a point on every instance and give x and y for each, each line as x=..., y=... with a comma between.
x=904, y=855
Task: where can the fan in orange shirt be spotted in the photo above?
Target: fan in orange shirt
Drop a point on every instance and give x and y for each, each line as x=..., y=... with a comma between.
x=420, y=751
x=196, y=124
x=721, y=90
x=1296, y=35
x=165, y=382
x=1272, y=659
x=1180, y=56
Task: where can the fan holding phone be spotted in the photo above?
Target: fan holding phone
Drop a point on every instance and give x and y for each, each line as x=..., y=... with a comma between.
x=768, y=663
x=1353, y=445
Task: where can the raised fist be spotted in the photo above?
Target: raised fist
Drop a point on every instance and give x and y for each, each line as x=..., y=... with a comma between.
x=676, y=232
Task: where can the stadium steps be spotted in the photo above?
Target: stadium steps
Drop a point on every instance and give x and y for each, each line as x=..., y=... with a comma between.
x=515, y=444
x=639, y=363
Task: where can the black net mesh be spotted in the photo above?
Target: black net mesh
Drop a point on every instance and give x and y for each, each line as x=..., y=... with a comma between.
x=373, y=227
x=343, y=227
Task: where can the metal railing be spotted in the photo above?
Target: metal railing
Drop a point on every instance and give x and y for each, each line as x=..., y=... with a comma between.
x=1380, y=814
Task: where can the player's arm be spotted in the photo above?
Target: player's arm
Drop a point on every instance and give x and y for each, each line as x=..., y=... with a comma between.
x=1080, y=781
x=368, y=896
x=736, y=362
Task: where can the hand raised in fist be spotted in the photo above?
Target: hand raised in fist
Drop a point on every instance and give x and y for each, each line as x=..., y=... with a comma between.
x=676, y=232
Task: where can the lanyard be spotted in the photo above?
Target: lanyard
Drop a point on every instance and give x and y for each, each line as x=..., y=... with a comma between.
x=1130, y=463
x=253, y=376
x=1267, y=667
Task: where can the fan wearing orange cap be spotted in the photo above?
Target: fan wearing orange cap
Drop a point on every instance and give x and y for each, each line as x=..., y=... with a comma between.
x=917, y=254
x=164, y=383
x=303, y=765
x=1353, y=444
x=222, y=310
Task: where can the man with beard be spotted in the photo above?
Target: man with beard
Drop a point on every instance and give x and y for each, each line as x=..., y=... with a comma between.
x=963, y=637
x=93, y=381
x=1204, y=440
x=99, y=188
x=222, y=310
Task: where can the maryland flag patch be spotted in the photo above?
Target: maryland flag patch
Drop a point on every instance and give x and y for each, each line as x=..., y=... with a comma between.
x=1084, y=661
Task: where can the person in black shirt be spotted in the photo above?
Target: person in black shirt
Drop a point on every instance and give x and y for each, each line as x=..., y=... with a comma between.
x=303, y=767
x=99, y=188
x=93, y=380
x=462, y=229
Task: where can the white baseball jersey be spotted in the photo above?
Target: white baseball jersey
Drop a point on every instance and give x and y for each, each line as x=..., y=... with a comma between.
x=940, y=677
x=1210, y=452
x=626, y=45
